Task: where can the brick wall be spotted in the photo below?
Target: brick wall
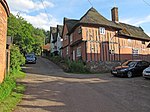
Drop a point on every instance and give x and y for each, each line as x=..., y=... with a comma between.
x=3, y=34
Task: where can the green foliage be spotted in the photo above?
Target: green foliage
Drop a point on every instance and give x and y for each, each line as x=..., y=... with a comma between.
x=10, y=92
x=28, y=38
x=77, y=67
x=70, y=66
x=16, y=59
x=56, y=59
x=6, y=88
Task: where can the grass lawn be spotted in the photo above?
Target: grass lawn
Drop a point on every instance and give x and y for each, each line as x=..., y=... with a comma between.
x=10, y=92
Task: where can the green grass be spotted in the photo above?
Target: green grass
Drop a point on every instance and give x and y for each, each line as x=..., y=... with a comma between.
x=10, y=92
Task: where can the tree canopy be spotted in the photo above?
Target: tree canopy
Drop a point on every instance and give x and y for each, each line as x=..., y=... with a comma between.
x=25, y=36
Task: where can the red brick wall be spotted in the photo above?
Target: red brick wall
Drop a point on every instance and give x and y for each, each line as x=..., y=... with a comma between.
x=65, y=41
x=3, y=34
x=98, y=49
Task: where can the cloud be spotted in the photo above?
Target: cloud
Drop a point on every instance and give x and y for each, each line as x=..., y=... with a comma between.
x=137, y=21
x=28, y=5
x=41, y=20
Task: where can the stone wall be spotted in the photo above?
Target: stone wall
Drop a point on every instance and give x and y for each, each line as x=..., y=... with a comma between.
x=101, y=67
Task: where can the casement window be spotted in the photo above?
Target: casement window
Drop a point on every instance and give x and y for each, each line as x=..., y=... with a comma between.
x=80, y=30
x=67, y=50
x=102, y=30
x=135, y=52
x=143, y=42
x=71, y=38
x=78, y=51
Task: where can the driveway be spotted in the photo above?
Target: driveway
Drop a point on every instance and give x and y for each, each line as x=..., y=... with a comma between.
x=49, y=89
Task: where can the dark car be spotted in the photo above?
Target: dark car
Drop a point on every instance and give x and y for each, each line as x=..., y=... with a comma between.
x=30, y=58
x=130, y=68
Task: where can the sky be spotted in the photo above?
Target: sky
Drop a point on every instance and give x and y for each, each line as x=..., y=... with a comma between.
x=51, y=12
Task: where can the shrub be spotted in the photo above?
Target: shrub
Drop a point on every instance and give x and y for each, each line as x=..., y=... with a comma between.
x=56, y=59
x=6, y=87
x=10, y=92
x=16, y=59
x=77, y=67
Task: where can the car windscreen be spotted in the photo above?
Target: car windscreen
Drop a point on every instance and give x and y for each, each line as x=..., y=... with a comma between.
x=30, y=56
x=129, y=63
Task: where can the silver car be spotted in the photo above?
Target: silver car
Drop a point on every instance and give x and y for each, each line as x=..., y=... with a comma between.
x=30, y=58
x=146, y=72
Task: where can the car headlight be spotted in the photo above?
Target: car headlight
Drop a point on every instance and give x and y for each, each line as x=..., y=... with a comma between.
x=123, y=70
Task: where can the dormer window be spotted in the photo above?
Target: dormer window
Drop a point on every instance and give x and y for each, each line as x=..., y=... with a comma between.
x=102, y=30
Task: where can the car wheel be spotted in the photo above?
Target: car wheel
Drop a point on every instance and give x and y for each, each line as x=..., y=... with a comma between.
x=129, y=74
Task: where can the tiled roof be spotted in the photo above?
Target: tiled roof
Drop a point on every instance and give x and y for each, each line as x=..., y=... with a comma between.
x=133, y=31
x=70, y=23
x=94, y=17
x=53, y=32
x=59, y=29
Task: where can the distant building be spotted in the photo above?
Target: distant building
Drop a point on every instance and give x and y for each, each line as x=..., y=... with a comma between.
x=59, y=39
x=4, y=13
x=53, y=40
x=95, y=38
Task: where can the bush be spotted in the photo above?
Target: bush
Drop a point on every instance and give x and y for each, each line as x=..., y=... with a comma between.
x=16, y=59
x=6, y=87
x=11, y=93
x=56, y=59
x=77, y=67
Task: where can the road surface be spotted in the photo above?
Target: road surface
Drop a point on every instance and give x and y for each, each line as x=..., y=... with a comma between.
x=49, y=89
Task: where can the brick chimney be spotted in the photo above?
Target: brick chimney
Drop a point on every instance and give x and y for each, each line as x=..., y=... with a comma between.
x=114, y=14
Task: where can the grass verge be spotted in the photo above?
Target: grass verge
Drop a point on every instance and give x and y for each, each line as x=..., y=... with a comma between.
x=10, y=92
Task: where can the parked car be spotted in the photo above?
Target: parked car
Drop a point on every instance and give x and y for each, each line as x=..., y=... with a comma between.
x=130, y=68
x=146, y=72
x=30, y=58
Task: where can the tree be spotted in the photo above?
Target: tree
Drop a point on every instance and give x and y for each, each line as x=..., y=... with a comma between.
x=25, y=36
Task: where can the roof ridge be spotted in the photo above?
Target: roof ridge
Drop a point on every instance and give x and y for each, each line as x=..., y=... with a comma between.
x=129, y=25
x=91, y=9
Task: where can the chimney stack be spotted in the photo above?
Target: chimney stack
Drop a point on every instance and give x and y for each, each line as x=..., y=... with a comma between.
x=114, y=14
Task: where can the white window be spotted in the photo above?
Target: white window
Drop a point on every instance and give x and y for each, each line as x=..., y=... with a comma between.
x=67, y=51
x=71, y=38
x=78, y=51
x=102, y=30
x=61, y=40
x=80, y=30
x=135, y=52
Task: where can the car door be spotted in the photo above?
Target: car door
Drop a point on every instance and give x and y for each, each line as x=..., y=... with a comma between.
x=141, y=66
x=145, y=64
x=138, y=68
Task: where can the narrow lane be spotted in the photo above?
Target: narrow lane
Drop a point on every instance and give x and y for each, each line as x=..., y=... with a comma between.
x=49, y=89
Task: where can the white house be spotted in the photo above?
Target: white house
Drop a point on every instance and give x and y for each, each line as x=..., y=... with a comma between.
x=59, y=39
x=53, y=39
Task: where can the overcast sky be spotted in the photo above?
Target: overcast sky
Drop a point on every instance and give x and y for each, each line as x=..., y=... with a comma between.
x=134, y=12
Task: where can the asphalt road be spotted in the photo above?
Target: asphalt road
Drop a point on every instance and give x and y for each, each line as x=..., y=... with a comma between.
x=49, y=89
